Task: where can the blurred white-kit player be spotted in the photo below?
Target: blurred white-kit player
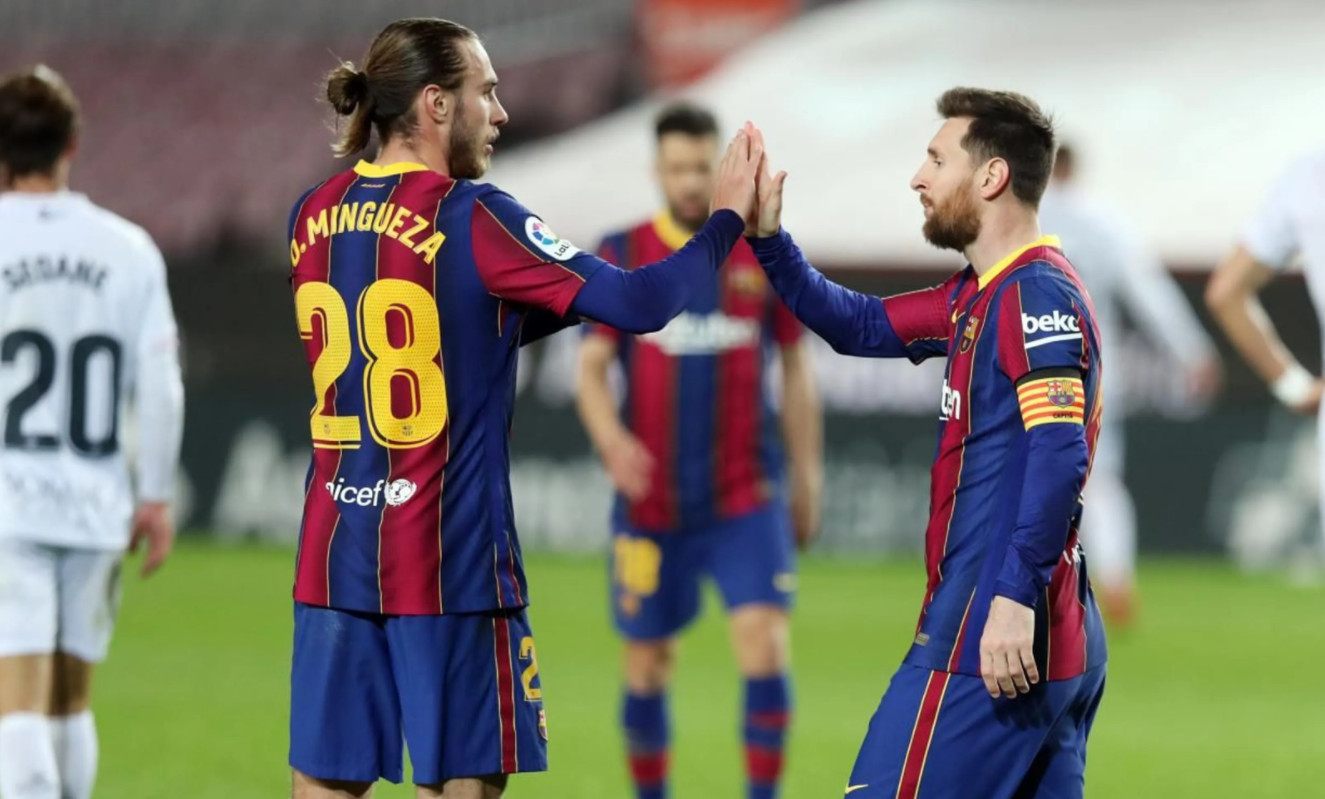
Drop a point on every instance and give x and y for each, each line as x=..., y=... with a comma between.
x=86, y=333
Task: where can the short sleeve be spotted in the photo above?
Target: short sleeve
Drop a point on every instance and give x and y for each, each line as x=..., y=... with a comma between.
x=922, y=319
x=1270, y=235
x=521, y=260
x=1041, y=324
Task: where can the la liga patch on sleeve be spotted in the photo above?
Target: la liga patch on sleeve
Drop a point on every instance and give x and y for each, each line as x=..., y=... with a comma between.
x=547, y=242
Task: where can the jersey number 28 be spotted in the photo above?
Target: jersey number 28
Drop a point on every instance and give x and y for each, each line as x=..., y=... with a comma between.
x=403, y=367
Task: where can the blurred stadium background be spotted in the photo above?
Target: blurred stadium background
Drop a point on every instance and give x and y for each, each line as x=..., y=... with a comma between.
x=203, y=122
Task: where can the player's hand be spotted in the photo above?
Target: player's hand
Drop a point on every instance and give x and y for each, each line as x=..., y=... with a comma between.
x=629, y=464
x=1205, y=380
x=737, y=174
x=1311, y=406
x=806, y=510
x=1007, y=658
x=768, y=219
x=152, y=524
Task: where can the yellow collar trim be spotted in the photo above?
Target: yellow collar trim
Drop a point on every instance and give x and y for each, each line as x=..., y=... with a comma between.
x=1010, y=259
x=671, y=233
x=368, y=170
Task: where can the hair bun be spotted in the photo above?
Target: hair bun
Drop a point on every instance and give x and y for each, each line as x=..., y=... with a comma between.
x=347, y=88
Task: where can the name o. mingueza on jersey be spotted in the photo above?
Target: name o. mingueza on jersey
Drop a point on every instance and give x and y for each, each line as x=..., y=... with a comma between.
x=389, y=219
x=41, y=269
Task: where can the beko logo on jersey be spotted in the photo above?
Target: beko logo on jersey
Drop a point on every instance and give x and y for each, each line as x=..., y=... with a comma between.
x=1055, y=322
x=952, y=403
x=397, y=493
x=704, y=334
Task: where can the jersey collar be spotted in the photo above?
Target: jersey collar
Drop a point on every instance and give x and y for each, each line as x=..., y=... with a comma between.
x=672, y=234
x=1011, y=258
x=367, y=170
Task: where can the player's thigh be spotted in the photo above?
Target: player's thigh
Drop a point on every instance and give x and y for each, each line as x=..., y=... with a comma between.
x=655, y=581
x=941, y=736
x=752, y=558
x=1059, y=769
x=28, y=625
x=471, y=695
x=89, y=592
x=344, y=709
x=306, y=787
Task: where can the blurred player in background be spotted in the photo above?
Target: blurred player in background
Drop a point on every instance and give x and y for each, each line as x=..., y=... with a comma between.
x=697, y=463
x=1019, y=417
x=85, y=325
x=1119, y=270
x=414, y=287
x=1289, y=225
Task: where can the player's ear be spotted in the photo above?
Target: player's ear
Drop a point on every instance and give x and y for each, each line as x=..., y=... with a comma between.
x=438, y=104
x=994, y=178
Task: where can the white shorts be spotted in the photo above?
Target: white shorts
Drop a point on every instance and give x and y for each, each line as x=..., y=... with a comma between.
x=55, y=599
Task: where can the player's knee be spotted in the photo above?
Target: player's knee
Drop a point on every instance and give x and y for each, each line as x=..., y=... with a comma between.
x=490, y=787
x=306, y=787
x=71, y=689
x=761, y=635
x=25, y=682
x=648, y=665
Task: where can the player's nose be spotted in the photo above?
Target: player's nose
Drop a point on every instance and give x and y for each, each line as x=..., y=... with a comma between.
x=499, y=115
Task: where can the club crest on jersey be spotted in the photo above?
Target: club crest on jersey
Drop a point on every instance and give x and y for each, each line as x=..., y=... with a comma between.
x=1061, y=393
x=398, y=492
x=968, y=337
x=542, y=237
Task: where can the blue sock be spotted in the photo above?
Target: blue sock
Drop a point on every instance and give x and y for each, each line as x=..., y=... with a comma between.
x=645, y=721
x=767, y=711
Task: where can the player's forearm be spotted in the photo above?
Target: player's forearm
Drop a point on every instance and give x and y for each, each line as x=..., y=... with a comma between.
x=1056, y=464
x=1244, y=321
x=851, y=322
x=160, y=422
x=644, y=300
x=802, y=422
x=597, y=406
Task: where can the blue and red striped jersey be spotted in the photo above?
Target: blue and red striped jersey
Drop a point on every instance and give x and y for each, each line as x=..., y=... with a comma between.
x=410, y=289
x=697, y=391
x=1029, y=313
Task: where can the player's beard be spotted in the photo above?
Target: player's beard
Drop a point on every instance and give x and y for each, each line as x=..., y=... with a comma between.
x=955, y=223
x=691, y=222
x=468, y=161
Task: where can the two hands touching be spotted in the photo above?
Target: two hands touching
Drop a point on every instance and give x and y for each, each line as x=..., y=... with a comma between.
x=747, y=185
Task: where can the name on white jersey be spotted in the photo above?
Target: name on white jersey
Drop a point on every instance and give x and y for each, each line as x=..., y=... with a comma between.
x=704, y=334
x=41, y=269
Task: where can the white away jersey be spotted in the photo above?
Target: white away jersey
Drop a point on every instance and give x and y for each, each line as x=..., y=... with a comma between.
x=85, y=327
x=1290, y=223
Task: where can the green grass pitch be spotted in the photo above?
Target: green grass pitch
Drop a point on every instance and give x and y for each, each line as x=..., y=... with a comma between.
x=1216, y=693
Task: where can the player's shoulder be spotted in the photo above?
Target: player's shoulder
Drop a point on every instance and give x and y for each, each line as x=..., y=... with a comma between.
x=1303, y=176
x=112, y=229
x=1047, y=278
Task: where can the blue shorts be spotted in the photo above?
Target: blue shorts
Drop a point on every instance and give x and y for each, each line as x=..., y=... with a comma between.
x=462, y=690
x=941, y=736
x=656, y=575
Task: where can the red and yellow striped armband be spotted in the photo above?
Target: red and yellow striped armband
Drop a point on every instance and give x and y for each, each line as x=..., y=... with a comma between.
x=1052, y=399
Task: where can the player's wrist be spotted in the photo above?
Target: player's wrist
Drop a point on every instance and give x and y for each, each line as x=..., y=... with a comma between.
x=1293, y=388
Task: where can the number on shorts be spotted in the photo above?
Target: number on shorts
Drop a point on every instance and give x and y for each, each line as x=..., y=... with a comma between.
x=638, y=561
x=531, y=693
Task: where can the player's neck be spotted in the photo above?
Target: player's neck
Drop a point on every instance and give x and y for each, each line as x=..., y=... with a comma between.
x=1001, y=235
x=39, y=184
x=397, y=152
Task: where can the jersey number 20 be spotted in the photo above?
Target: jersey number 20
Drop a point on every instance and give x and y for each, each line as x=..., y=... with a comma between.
x=405, y=367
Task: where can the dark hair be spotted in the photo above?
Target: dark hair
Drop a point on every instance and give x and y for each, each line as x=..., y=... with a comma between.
x=687, y=118
x=1010, y=126
x=38, y=121
x=407, y=56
